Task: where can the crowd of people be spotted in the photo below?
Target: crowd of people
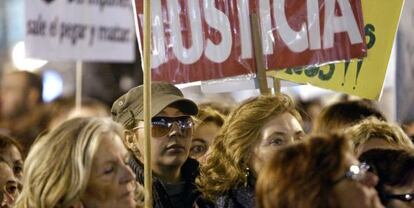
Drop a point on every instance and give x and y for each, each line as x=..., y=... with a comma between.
x=259, y=154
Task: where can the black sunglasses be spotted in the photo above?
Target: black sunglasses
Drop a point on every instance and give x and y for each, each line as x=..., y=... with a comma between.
x=161, y=126
x=402, y=197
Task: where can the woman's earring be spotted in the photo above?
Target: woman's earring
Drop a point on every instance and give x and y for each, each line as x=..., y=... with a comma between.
x=246, y=174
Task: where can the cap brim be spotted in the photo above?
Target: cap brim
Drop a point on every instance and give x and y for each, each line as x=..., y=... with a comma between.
x=184, y=105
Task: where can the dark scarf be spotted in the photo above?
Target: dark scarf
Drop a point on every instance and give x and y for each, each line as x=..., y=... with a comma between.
x=189, y=172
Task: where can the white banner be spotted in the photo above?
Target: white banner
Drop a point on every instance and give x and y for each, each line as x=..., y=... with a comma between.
x=87, y=30
x=405, y=64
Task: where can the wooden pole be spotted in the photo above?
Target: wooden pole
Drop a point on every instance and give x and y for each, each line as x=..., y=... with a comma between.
x=146, y=67
x=276, y=85
x=258, y=54
x=78, y=93
x=147, y=104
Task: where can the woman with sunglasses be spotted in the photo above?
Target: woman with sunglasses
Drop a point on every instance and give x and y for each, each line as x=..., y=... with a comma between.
x=395, y=170
x=251, y=132
x=372, y=133
x=321, y=172
x=171, y=127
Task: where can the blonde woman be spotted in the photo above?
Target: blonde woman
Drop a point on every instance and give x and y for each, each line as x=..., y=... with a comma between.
x=82, y=163
x=372, y=133
x=253, y=131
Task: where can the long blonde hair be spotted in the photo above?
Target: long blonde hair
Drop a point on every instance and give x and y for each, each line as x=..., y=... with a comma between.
x=226, y=166
x=57, y=169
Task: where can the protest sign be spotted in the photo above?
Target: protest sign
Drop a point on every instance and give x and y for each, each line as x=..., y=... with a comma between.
x=405, y=65
x=364, y=78
x=211, y=39
x=87, y=30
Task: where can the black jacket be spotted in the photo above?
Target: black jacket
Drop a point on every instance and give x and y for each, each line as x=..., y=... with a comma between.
x=240, y=197
x=161, y=199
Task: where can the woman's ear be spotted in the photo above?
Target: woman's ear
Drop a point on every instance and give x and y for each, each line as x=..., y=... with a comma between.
x=129, y=139
x=131, y=142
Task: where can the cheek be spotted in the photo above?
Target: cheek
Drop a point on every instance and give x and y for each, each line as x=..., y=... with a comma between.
x=157, y=145
x=349, y=191
x=264, y=152
x=187, y=142
x=399, y=204
x=100, y=190
x=16, y=98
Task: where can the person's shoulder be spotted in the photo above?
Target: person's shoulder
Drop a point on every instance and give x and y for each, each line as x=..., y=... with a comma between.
x=239, y=197
x=225, y=200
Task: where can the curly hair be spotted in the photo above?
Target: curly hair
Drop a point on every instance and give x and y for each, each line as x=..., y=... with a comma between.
x=302, y=175
x=226, y=166
x=209, y=114
x=373, y=128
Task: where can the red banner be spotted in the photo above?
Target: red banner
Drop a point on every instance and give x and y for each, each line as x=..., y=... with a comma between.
x=196, y=40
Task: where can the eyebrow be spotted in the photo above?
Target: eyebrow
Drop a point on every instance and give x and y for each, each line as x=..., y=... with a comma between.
x=199, y=140
x=277, y=133
x=18, y=161
x=299, y=132
x=11, y=182
x=6, y=163
x=111, y=161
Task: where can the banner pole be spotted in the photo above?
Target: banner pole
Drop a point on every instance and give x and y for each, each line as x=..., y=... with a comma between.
x=78, y=93
x=258, y=55
x=276, y=85
x=147, y=104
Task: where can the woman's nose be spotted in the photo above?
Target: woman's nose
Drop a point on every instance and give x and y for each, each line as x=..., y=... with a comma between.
x=128, y=175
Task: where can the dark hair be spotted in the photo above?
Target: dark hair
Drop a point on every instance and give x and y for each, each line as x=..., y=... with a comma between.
x=344, y=114
x=303, y=174
x=33, y=81
x=7, y=141
x=394, y=167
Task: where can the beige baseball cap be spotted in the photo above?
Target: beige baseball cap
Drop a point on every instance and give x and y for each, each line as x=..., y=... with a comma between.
x=129, y=108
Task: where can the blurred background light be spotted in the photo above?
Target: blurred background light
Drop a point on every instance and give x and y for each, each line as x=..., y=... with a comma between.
x=52, y=85
x=21, y=62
